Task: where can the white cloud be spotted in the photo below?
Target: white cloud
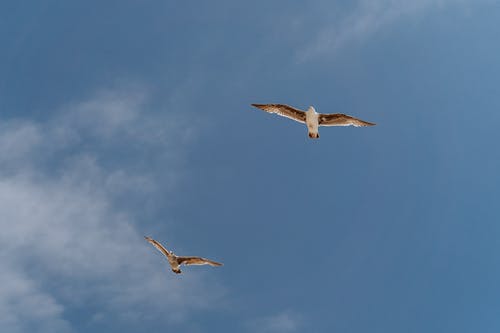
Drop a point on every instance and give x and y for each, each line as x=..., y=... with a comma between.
x=367, y=18
x=18, y=139
x=24, y=307
x=66, y=243
x=285, y=322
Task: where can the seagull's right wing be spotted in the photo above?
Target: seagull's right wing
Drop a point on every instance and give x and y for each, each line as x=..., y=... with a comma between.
x=283, y=110
x=197, y=261
x=158, y=246
x=339, y=119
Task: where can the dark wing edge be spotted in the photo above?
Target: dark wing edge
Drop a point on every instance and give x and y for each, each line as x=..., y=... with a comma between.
x=340, y=119
x=283, y=110
x=197, y=261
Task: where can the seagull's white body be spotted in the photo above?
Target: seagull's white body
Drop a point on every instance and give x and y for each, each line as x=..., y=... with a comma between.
x=312, y=119
x=312, y=122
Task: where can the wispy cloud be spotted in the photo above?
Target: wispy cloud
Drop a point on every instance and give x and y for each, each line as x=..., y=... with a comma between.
x=66, y=241
x=25, y=307
x=285, y=322
x=367, y=18
x=17, y=139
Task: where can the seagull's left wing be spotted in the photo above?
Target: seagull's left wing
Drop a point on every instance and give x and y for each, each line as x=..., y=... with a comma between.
x=339, y=119
x=283, y=110
x=197, y=261
x=158, y=246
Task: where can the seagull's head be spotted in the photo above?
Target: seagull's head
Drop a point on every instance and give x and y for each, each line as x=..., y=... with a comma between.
x=311, y=109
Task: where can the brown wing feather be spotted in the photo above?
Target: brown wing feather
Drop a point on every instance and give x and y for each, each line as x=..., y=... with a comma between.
x=283, y=110
x=197, y=261
x=339, y=119
x=158, y=246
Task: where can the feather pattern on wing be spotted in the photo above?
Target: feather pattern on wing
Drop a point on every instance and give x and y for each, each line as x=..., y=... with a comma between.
x=339, y=119
x=283, y=110
x=158, y=246
x=197, y=261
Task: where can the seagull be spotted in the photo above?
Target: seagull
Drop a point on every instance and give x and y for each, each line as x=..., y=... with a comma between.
x=311, y=118
x=176, y=261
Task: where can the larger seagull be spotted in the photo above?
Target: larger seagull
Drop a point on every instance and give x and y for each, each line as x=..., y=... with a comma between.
x=176, y=261
x=313, y=119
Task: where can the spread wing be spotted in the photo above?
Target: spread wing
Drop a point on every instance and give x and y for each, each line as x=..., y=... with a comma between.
x=283, y=110
x=339, y=119
x=158, y=246
x=197, y=261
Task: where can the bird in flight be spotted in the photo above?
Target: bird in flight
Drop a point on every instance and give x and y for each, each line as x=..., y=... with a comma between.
x=176, y=261
x=313, y=119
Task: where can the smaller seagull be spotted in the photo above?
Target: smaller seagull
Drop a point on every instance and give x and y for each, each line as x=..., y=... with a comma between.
x=176, y=261
x=311, y=118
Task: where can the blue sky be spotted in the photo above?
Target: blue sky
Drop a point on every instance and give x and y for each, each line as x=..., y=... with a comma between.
x=121, y=119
